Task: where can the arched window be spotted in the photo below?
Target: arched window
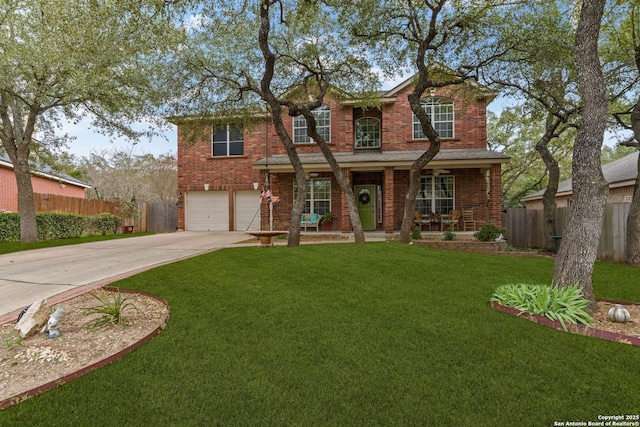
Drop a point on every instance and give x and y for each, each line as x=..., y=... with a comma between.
x=368, y=133
x=440, y=110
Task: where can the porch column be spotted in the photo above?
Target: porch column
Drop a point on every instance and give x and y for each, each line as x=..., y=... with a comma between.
x=345, y=222
x=388, y=196
x=495, y=194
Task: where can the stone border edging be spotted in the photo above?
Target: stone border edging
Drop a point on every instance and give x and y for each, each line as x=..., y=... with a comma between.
x=89, y=368
x=572, y=327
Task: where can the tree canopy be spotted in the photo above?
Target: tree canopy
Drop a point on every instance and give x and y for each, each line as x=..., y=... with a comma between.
x=64, y=59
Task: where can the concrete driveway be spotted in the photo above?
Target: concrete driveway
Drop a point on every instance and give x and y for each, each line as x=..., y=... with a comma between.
x=62, y=272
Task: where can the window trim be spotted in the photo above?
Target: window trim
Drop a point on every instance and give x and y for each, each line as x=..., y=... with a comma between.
x=228, y=141
x=300, y=125
x=433, y=197
x=355, y=133
x=309, y=206
x=428, y=105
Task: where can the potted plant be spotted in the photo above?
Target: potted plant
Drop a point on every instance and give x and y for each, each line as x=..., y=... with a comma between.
x=325, y=221
x=129, y=211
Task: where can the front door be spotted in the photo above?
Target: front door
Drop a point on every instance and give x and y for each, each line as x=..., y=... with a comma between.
x=366, y=201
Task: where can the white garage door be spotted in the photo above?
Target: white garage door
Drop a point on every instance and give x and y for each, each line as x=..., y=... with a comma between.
x=247, y=216
x=207, y=211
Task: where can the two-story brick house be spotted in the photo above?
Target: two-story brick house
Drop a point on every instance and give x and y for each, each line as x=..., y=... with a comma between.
x=221, y=175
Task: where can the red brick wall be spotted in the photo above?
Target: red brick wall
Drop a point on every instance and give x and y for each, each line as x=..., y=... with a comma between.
x=9, y=189
x=197, y=166
x=469, y=124
x=396, y=126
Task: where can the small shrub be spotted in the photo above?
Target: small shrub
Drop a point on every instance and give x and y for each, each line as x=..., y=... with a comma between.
x=103, y=223
x=488, y=232
x=9, y=226
x=112, y=311
x=416, y=234
x=449, y=234
x=562, y=304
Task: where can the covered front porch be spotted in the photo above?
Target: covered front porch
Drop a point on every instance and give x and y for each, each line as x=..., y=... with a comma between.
x=455, y=179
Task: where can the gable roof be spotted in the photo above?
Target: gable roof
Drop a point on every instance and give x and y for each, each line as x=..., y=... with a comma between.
x=619, y=173
x=384, y=96
x=47, y=172
x=482, y=90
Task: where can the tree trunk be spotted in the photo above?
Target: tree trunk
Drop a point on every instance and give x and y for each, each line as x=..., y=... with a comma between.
x=301, y=180
x=347, y=190
x=549, y=197
x=26, y=205
x=414, y=186
x=16, y=134
x=434, y=147
x=267, y=95
x=632, y=249
x=578, y=250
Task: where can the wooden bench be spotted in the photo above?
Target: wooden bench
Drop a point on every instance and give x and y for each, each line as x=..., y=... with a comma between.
x=310, y=220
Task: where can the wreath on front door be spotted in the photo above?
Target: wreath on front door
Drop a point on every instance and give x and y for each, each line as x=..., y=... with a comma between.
x=364, y=197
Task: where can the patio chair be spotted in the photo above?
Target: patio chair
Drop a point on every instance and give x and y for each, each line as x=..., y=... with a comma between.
x=450, y=221
x=419, y=220
x=468, y=220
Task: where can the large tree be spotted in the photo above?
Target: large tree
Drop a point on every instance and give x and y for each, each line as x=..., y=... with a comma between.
x=627, y=49
x=122, y=174
x=540, y=69
x=516, y=132
x=577, y=254
x=64, y=59
x=287, y=55
x=443, y=42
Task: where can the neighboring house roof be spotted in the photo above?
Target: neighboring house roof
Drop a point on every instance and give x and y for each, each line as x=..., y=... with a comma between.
x=468, y=157
x=47, y=172
x=619, y=173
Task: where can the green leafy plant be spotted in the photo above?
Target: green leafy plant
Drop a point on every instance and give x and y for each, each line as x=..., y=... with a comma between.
x=326, y=218
x=562, y=304
x=416, y=234
x=449, y=234
x=488, y=232
x=13, y=341
x=111, y=311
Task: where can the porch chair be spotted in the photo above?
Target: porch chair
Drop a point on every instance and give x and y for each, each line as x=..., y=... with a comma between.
x=419, y=221
x=468, y=220
x=451, y=221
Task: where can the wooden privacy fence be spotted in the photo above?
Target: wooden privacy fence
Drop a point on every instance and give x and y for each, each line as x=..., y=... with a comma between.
x=154, y=216
x=74, y=205
x=524, y=229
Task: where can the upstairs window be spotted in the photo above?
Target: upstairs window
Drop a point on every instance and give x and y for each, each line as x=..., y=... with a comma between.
x=440, y=111
x=368, y=133
x=228, y=140
x=323, y=126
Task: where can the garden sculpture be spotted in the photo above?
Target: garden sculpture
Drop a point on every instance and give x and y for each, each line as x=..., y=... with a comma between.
x=53, y=325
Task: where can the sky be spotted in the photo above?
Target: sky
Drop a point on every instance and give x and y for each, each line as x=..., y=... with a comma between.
x=88, y=140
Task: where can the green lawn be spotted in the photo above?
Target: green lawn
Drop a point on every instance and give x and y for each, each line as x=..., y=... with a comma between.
x=350, y=335
x=9, y=247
